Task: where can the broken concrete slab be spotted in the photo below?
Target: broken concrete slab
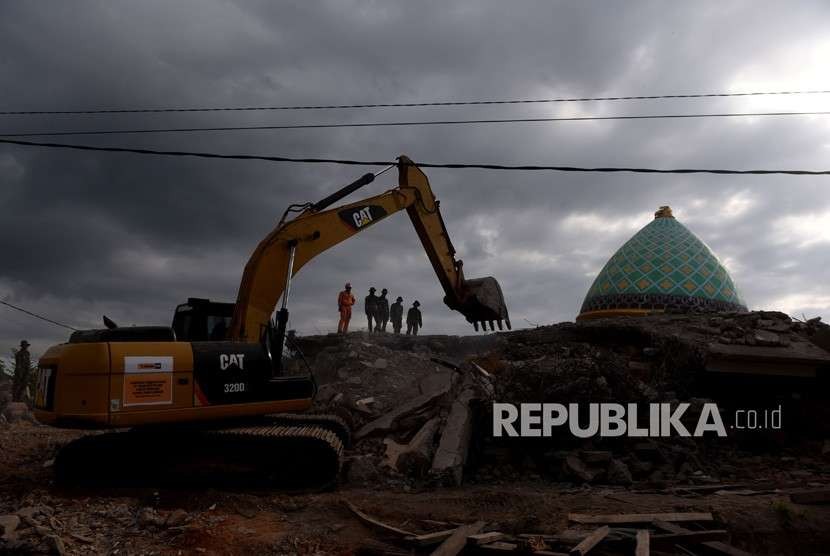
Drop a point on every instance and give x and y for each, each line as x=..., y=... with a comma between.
x=436, y=380
x=361, y=469
x=574, y=467
x=387, y=422
x=618, y=473
x=451, y=455
x=595, y=456
x=415, y=459
x=8, y=524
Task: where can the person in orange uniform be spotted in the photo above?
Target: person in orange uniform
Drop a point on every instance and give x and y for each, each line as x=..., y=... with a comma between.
x=345, y=300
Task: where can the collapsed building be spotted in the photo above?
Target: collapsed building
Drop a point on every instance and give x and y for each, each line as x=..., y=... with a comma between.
x=662, y=323
x=423, y=407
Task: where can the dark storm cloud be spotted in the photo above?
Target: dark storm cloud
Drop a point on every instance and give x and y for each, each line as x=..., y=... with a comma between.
x=85, y=233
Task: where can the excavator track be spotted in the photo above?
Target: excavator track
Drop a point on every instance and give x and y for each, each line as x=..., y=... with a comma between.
x=285, y=452
x=335, y=423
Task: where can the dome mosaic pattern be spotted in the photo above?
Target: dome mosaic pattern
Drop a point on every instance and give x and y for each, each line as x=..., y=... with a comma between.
x=663, y=267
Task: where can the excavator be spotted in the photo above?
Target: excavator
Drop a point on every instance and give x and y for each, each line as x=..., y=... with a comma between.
x=213, y=385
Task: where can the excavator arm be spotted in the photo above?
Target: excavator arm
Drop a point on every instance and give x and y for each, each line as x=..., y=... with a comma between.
x=292, y=244
x=480, y=300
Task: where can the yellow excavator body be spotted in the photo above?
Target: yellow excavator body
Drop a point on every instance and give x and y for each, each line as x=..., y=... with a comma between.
x=216, y=374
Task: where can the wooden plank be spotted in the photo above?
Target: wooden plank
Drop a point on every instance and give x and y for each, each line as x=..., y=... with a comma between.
x=590, y=541
x=639, y=518
x=642, y=548
x=692, y=537
x=379, y=525
x=669, y=527
x=815, y=496
x=373, y=547
x=717, y=547
x=567, y=536
x=455, y=543
x=499, y=547
x=702, y=489
x=428, y=539
x=484, y=538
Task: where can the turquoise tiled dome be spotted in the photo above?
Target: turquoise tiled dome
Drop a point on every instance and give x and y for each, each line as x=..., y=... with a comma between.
x=663, y=267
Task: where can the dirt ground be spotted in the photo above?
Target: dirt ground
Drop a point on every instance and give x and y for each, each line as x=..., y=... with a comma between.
x=516, y=486
x=189, y=522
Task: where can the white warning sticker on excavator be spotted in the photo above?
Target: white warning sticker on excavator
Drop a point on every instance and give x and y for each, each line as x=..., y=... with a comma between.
x=148, y=364
x=148, y=380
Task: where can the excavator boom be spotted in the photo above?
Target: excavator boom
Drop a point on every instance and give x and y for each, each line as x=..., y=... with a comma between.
x=292, y=244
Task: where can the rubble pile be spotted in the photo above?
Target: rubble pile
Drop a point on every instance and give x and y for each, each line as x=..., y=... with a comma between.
x=409, y=400
x=5, y=390
x=422, y=406
x=12, y=412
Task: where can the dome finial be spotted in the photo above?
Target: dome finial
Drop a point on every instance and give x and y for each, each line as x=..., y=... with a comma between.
x=663, y=212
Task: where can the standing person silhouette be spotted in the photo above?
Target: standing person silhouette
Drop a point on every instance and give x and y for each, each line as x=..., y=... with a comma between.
x=370, y=305
x=382, y=315
x=345, y=300
x=396, y=315
x=413, y=319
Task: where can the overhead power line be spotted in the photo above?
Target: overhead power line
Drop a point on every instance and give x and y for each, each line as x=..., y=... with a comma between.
x=41, y=317
x=156, y=152
x=401, y=124
x=403, y=104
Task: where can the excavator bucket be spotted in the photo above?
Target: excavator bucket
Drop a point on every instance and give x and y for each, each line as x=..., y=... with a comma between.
x=483, y=302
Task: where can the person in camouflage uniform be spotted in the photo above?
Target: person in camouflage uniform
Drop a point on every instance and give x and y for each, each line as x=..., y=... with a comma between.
x=22, y=370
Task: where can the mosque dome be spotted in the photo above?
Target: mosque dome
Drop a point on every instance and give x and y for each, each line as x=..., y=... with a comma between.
x=663, y=267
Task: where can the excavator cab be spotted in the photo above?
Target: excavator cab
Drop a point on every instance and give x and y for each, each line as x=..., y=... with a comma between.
x=202, y=320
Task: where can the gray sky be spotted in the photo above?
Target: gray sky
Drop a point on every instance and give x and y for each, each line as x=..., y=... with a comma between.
x=86, y=234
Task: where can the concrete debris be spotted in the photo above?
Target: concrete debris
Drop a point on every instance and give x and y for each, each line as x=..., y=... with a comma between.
x=451, y=455
x=15, y=412
x=618, y=473
x=148, y=517
x=415, y=457
x=177, y=518
x=362, y=469
x=8, y=525
x=424, y=399
x=574, y=468
x=388, y=421
x=55, y=544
